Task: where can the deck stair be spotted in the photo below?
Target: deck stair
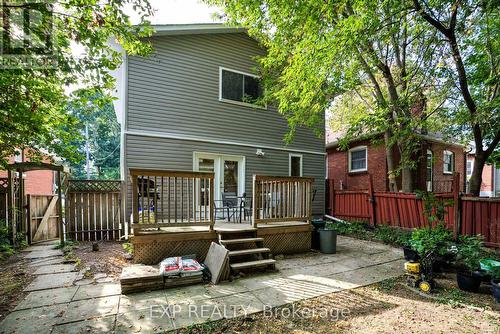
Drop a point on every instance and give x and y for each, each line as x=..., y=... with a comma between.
x=246, y=251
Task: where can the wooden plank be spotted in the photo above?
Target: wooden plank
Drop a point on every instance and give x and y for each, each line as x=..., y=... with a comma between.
x=170, y=173
x=43, y=224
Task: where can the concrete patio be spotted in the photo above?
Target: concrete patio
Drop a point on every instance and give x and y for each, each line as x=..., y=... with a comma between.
x=56, y=304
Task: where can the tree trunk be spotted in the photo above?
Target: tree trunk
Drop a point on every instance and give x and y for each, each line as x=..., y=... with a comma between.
x=393, y=186
x=407, y=180
x=477, y=175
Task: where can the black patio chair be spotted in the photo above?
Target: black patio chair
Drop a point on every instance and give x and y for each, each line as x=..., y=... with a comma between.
x=229, y=203
x=245, y=207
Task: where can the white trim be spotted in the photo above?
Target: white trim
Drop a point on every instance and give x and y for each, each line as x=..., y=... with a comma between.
x=221, y=99
x=215, y=141
x=429, y=183
x=356, y=149
x=471, y=167
x=290, y=155
x=448, y=152
x=219, y=169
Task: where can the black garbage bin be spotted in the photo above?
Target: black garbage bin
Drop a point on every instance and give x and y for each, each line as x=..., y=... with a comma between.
x=317, y=225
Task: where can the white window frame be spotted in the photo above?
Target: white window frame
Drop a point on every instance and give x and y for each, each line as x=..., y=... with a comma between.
x=221, y=99
x=429, y=183
x=471, y=167
x=290, y=155
x=445, y=153
x=356, y=149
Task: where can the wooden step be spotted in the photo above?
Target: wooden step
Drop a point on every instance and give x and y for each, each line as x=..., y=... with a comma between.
x=252, y=264
x=240, y=241
x=228, y=230
x=249, y=251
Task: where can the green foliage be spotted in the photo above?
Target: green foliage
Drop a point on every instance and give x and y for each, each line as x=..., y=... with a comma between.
x=431, y=239
x=33, y=101
x=354, y=228
x=392, y=235
x=128, y=247
x=469, y=251
x=434, y=208
x=103, y=138
x=6, y=248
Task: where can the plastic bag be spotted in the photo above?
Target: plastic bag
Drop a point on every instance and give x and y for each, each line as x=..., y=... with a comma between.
x=191, y=265
x=489, y=264
x=171, y=266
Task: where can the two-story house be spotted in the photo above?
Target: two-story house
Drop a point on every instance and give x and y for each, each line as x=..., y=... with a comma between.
x=191, y=106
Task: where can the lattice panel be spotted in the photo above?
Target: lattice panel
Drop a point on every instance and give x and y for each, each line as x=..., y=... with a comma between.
x=153, y=252
x=3, y=184
x=94, y=185
x=288, y=243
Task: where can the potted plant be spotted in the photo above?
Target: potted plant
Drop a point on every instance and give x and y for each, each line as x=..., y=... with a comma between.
x=495, y=283
x=431, y=239
x=468, y=255
x=328, y=239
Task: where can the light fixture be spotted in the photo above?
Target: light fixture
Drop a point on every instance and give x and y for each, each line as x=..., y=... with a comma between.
x=259, y=152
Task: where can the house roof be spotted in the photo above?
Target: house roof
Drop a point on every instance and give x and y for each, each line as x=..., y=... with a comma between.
x=431, y=138
x=195, y=28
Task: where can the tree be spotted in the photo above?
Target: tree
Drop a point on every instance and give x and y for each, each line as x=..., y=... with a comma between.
x=99, y=132
x=33, y=98
x=324, y=52
x=470, y=32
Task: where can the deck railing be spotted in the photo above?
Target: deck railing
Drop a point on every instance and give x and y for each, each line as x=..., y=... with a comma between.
x=281, y=199
x=163, y=198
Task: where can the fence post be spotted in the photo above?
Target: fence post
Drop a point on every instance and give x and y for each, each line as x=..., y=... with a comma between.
x=60, y=221
x=371, y=201
x=457, y=217
x=331, y=187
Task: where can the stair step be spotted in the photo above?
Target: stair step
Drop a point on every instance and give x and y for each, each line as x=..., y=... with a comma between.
x=252, y=264
x=249, y=251
x=240, y=241
x=228, y=230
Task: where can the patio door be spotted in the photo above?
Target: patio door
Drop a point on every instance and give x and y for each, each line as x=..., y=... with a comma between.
x=229, y=172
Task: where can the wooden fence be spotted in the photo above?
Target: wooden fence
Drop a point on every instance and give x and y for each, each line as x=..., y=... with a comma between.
x=94, y=210
x=42, y=217
x=281, y=199
x=465, y=215
x=3, y=201
x=163, y=198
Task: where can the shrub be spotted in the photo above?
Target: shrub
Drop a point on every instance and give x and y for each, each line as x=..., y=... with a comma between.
x=6, y=248
x=392, y=235
x=469, y=251
x=429, y=239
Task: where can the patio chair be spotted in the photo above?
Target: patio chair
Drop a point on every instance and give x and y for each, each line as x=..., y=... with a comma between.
x=229, y=202
x=245, y=207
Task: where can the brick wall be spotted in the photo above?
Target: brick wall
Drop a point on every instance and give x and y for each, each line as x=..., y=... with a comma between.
x=338, y=168
x=377, y=167
x=37, y=182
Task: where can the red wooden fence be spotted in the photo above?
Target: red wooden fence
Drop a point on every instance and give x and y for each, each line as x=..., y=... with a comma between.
x=476, y=215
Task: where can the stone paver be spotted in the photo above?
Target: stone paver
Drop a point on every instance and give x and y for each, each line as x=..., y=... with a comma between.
x=59, y=302
x=37, y=254
x=50, y=281
x=90, y=308
x=54, y=269
x=47, y=297
x=91, y=326
x=97, y=290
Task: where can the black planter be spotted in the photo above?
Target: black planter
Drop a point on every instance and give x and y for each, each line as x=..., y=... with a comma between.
x=410, y=254
x=467, y=281
x=495, y=285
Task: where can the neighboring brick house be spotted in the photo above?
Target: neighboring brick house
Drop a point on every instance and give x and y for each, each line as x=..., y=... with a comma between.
x=490, y=185
x=437, y=161
x=37, y=182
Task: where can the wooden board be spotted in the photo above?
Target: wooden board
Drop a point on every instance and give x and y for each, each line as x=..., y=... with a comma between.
x=217, y=261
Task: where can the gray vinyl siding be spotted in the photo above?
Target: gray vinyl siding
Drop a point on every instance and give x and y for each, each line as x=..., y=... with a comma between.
x=176, y=91
x=174, y=154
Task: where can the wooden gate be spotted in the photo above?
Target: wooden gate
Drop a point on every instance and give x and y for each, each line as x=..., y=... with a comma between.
x=42, y=217
x=94, y=210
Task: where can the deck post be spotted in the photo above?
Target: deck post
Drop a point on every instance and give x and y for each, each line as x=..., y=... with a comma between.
x=212, y=202
x=254, y=201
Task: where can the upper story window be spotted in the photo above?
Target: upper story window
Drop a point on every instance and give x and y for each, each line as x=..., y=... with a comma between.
x=295, y=164
x=239, y=87
x=470, y=165
x=448, y=162
x=358, y=159
x=18, y=157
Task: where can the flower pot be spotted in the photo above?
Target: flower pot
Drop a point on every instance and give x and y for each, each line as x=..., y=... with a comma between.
x=467, y=281
x=410, y=254
x=495, y=284
x=328, y=241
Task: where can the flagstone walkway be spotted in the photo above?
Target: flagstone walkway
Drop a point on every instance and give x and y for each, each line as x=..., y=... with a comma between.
x=59, y=303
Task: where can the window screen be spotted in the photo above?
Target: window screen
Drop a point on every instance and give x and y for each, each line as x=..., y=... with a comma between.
x=448, y=161
x=240, y=87
x=358, y=160
x=295, y=162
